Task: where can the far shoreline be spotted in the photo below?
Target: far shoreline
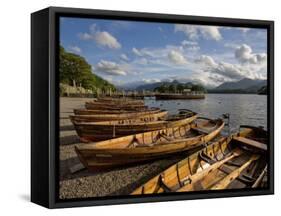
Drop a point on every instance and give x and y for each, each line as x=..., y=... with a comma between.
x=246, y=93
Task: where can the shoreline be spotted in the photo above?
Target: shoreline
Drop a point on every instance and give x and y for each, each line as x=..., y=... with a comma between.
x=84, y=184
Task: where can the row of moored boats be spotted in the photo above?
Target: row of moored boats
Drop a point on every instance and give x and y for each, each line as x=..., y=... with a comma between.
x=121, y=132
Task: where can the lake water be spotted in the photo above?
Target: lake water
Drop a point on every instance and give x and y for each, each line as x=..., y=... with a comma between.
x=244, y=109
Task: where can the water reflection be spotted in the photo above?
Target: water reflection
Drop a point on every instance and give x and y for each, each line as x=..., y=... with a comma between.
x=244, y=109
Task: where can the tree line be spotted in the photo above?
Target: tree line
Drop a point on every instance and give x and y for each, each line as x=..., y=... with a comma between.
x=179, y=88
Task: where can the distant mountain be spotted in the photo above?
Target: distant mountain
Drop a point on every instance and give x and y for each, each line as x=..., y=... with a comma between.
x=152, y=86
x=130, y=86
x=149, y=86
x=263, y=90
x=243, y=86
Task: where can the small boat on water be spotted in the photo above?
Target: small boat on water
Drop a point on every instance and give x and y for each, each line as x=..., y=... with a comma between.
x=149, y=145
x=142, y=116
x=97, y=131
x=237, y=161
x=116, y=112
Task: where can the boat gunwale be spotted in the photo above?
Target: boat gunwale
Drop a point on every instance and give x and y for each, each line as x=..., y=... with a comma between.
x=141, y=123
x=170, y=170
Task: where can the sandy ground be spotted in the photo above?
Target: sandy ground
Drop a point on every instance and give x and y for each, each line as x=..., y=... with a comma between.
x=121, y=181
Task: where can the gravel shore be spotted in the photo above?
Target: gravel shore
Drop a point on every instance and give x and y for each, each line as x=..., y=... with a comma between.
x=82, y=184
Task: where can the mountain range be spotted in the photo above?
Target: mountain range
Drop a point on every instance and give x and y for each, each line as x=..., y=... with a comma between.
x=152, y=86
x=242, y=86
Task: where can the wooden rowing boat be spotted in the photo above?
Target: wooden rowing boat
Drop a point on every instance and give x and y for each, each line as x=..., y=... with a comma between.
x=117, y=112
x=227, y=163
x=142, y=116
x=119, y=100
x=118, y=103
x=149, y=145
x=108, y=106
x=97, y=131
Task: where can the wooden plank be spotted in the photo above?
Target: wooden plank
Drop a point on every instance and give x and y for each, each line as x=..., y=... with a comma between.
x=193, y=179
x=250, y=142
x=187, y=167
x=233, y=175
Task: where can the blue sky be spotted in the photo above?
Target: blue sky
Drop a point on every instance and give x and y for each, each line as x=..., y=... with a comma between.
x=132, y=53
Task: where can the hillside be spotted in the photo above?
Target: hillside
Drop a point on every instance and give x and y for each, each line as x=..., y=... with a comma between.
x=75, y=71
x=149, y=86
x=263, y=90
x=152, y=86
x=243, y=86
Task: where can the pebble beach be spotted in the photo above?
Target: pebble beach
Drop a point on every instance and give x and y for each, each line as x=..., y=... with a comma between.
x=83, y=184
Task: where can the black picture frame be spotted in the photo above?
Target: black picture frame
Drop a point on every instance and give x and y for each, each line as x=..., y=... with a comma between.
x=45, y=105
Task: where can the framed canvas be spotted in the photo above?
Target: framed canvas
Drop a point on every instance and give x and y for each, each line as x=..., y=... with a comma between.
x=139, y=107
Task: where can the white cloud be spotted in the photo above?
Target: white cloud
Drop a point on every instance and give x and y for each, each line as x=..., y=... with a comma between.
x=137, y=52
x=151, y=80
x=85, y=36
x=102, y=38
x=142, y=61
x=244, y=30
x=206, y=60
x=217, y=78
x=143, y=52
x=261, y=57
x=124, y=57
x=245, y=54
x=194, y=32
x=106, y=39
x=210, y=70
x=231, y=45
x=193, y=48
x=177, y=58
x=219, y=72
x=231, y=71
x=189, y=43
x=75, y=49
x=110, y=68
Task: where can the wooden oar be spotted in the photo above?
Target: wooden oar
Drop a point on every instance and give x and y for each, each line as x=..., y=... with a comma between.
x=233, y=175
x=190, y=181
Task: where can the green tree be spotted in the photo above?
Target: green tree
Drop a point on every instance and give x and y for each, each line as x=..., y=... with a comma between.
x=76, y=71
x=198, y=88
x=179, y=87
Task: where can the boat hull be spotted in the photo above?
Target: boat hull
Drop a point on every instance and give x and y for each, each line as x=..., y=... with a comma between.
x=143, y=116
x=224, y=164
x=92, y=106
x=145, y=147
x=88, y=131
x=117, y=112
